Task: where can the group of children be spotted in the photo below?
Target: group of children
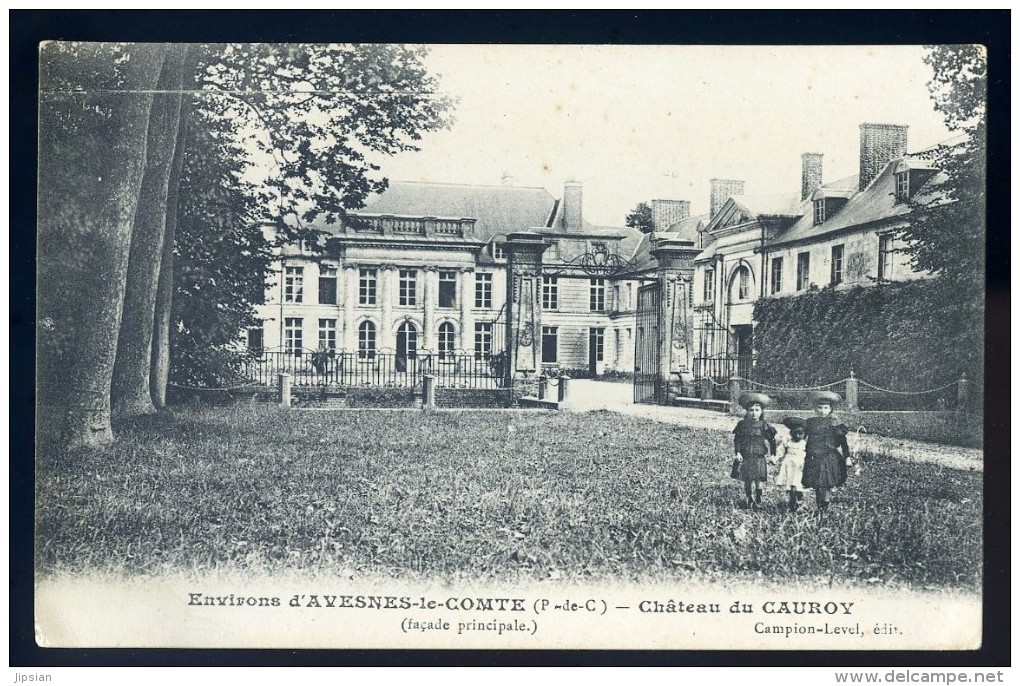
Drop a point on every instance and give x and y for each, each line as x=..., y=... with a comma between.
x=816, y=456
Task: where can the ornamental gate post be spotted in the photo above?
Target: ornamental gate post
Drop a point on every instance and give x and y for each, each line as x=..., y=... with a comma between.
x=675, y=265
x=523, y=314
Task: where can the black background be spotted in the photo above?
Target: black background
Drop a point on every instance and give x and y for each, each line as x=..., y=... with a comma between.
x=29, y=27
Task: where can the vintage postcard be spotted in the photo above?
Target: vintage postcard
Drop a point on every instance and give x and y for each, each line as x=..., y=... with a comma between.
x=510, y=346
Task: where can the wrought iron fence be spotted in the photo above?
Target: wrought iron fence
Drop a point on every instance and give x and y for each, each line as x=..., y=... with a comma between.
x=385, y=368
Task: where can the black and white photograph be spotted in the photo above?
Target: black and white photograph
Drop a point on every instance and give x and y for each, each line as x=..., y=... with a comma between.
x=510, y=347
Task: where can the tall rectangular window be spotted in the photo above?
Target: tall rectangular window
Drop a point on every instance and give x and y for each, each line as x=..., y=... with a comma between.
x=597, y=295
x=366, y=286
x=408, y=295
x=549, y=343
x=327, y=334
x=777, y=274
x=550, y=293
x=293, y=284
x=483, y=291
x=803, y=270
x=616, y=297
x=255, y=340
x=292, y=342
x=709, y=292
x=617, y=349
x=483, y=340
x=902, y=186
x=743, y=283
x=837, y=264
x=447, y=289
x=327, y=285
x=819, y=211
x=886, y=251
x=597, y=344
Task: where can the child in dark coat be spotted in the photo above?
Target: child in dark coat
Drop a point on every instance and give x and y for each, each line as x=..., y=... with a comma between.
x=827, y=453
x=753, y=441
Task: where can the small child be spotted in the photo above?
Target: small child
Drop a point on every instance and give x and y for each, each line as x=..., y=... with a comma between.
x=753, y=440
x=827, y=453
x=791, y=462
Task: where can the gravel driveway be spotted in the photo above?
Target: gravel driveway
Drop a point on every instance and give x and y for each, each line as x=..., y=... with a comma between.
x=586, y=396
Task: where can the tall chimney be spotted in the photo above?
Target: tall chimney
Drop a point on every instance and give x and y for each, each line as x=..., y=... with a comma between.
x=572, y=206
x=665, y=213
x=810, y=173
x=880, y=144
x=722, y=189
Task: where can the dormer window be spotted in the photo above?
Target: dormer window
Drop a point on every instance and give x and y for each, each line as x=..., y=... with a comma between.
x=498, y=251
x=902, y=186
x=819, y=211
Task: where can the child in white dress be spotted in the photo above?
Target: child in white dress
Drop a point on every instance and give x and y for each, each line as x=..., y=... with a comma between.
x=791, y=461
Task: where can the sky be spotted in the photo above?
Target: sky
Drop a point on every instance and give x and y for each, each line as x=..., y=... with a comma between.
x=633, y=123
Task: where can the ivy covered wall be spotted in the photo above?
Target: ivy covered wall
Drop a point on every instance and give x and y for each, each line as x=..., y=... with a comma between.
x=911, y=335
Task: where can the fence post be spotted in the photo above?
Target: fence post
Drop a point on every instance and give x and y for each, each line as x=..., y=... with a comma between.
x=428, y=392
x=851, y=393
x=705, y=388
x=962, y=392
x=283, y=388
x=543, y=386
x=564, y=381
x=734, y=395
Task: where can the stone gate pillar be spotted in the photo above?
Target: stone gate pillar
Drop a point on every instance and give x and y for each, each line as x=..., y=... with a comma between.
x=523, y=314
x=675, y=271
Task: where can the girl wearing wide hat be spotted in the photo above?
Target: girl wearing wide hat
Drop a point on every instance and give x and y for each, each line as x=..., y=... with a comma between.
x=753, y=441
x=827, y=452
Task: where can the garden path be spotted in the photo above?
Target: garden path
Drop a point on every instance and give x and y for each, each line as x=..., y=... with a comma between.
x=587, y=395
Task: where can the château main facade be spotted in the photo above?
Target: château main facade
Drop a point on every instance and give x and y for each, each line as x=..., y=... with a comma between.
x=422, y=269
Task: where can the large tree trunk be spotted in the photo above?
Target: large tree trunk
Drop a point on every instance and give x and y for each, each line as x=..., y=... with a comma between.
x=159, y=372
x=94, y=110
x=130, y=390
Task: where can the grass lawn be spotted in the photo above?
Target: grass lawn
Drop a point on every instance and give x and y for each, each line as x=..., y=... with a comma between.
x=507, y=496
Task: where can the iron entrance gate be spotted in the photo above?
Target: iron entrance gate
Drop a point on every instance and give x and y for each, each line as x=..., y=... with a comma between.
x=646, y=345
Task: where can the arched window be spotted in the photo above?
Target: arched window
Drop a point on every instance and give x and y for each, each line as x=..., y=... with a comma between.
x=366, y=340
x=446, y=340
x=740, y=286
x=407, y=340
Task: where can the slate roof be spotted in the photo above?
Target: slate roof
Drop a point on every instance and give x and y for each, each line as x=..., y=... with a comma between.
x=768, y=205
x=631, y=240
x=496, y=209
x=875, y=203
x=685, y=229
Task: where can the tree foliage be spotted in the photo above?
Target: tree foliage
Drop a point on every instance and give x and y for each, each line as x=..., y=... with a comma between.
x=640, y=218
x=221, y=255
x=319, y=118
x=325, y=115
x=946, y=235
